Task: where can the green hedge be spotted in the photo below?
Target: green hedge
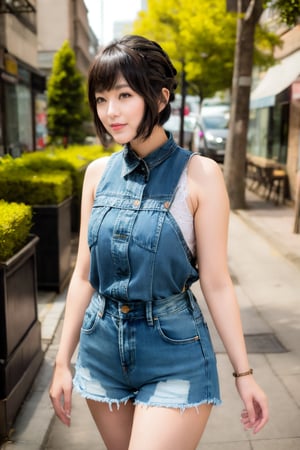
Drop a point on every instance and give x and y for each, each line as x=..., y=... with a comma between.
x=34, y=188
x=15, y=225
x=74, y=160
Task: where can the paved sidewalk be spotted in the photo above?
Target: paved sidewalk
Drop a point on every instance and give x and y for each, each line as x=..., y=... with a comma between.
x=264, y=259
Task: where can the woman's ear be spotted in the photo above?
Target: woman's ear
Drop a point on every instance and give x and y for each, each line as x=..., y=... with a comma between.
x=164, y=99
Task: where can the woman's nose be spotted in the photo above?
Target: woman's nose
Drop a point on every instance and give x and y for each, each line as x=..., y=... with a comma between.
x=112, y=109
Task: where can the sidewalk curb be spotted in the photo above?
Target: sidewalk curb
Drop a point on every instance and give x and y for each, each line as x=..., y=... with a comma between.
x=270, y=237
x=36, y=415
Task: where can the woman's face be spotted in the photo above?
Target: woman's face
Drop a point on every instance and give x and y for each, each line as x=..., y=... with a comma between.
x=121, y=111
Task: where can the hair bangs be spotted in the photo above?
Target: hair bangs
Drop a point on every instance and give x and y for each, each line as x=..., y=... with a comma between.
x=107, y=70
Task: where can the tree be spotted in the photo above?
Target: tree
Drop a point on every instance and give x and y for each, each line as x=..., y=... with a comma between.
x=66, y=98
x=289, y=10
x=235, y=154
x=200, y=40
x=249, y=13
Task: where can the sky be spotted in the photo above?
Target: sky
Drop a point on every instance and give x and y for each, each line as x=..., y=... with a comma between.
x=113, y=11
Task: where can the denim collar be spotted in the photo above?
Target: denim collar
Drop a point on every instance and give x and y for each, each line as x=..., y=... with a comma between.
x=132, y=161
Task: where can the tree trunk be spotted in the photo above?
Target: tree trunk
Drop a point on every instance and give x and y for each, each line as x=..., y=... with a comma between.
x=297, y=205
x=235, y=155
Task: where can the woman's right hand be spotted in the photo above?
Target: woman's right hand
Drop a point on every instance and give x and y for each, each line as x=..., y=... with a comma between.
x=60, y=393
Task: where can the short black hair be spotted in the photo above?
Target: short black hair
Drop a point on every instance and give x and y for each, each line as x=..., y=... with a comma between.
x=147, y=69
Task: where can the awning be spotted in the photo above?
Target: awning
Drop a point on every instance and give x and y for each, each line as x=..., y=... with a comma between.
x=276, y=80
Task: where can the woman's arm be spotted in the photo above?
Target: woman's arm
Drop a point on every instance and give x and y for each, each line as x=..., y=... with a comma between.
x=78, y=298
x=210, y=205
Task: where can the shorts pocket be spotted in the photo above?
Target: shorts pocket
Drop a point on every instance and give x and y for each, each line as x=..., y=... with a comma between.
x=90, y=319
x=177, y=328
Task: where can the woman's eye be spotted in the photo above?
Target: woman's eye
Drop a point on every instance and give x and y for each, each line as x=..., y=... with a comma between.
x=125, y=95
x=99, y=100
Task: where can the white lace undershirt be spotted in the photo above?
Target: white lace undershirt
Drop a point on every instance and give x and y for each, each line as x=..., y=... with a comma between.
x=182, y=214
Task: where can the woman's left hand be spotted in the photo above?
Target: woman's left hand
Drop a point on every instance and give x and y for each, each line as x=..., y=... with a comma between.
x=256, y=412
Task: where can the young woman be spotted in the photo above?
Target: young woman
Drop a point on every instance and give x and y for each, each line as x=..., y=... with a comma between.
x=154, y=220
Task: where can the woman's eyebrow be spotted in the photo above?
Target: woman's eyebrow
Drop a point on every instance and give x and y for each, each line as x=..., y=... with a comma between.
x=116, y=86
x=121, y=85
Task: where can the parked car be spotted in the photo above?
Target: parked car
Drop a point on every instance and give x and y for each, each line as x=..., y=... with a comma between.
x=210, y=133
x=173, y=125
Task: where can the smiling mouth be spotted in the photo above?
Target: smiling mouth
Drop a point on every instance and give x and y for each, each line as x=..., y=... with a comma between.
x=117, y=126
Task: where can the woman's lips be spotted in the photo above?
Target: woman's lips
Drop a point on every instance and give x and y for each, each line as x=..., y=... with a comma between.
x=117, y=126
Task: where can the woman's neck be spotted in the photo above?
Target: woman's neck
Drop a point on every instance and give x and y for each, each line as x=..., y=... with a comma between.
x=157, y=138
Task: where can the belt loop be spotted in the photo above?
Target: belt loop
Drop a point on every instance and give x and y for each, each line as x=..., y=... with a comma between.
x=149, y=313
x=191, y=298
x=102, y=303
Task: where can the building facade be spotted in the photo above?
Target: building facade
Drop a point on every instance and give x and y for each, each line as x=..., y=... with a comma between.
x=61, y=20
x=274, y=125
x=21, y=82
x=31, y=32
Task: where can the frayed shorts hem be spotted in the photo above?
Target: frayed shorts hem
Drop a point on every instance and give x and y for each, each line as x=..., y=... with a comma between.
x=109, y=401
x=181, y=407
x=112, y=401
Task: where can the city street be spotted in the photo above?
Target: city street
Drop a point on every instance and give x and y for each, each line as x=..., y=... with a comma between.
x=268, y=288
x=81, y=84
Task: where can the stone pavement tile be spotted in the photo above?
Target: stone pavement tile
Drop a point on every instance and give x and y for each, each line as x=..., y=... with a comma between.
x=287, y=367
x=253, y=321
x=225, y=446
x=23, y=446
x=224, y=423
x=82, y=433
x=33, y=420
x=274, y=223
x=50, y=320
x=292, y=384
x=278, y=444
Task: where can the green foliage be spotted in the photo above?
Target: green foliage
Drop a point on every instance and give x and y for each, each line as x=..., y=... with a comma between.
x=66, y=98
x=74, y=160
x=201, y=38
x=34, y=188
x=39, y=175
x=266, y=42
x=15, y=225
x=289, y=10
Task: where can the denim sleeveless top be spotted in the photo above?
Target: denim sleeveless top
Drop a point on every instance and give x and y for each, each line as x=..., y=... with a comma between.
x=138, y=251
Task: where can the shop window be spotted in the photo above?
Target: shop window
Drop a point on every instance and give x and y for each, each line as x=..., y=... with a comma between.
x=18, y=119
x=258, y=131
x=278, y=132
x=24, y=118
x=11, y=119
x=41, y=132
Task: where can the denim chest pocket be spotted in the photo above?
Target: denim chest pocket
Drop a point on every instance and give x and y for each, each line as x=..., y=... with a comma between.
x=177, y=328
x=147, y=229
x=96, y=219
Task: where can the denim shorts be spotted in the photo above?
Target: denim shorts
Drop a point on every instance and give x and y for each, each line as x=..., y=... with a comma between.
x=156, y=353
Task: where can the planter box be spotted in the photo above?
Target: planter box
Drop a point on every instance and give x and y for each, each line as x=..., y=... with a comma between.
x=52, y=223
x=20, y=332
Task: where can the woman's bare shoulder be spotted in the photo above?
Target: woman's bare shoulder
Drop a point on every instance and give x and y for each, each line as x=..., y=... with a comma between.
x=98, y=165
x=203, y=169
x=93, y=174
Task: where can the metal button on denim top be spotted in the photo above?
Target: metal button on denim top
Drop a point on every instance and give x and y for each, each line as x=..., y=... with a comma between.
x=137, y=249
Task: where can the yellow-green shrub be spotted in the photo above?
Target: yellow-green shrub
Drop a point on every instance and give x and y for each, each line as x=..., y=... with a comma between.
x=34, y=188
x=15, y=225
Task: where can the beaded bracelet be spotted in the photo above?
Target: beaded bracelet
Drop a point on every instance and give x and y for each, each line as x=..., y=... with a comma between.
x=242, y=374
